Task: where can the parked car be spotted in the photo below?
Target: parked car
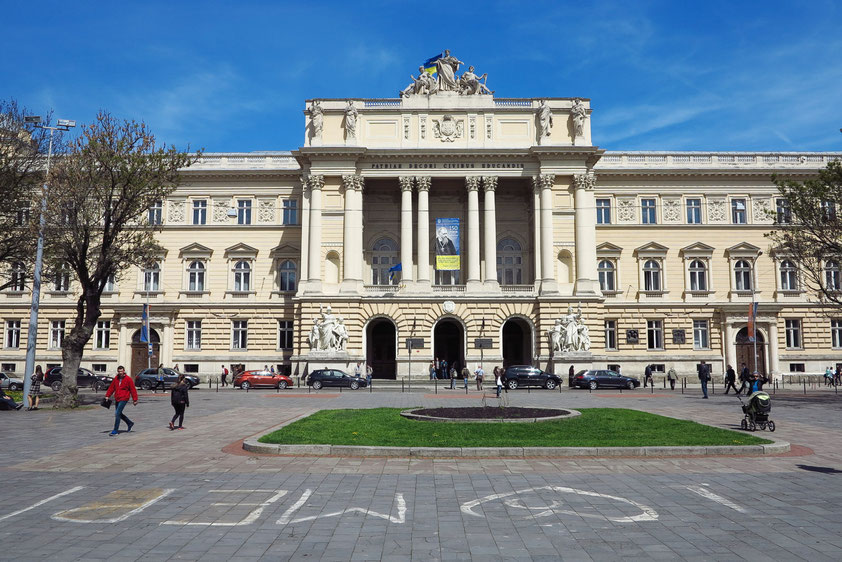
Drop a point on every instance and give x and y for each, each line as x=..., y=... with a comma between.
x=603, y=378
x=261, y=378
x=10, y=381
x=517, y=376
x=334, y=377
x=148, y=378
x=84, y=378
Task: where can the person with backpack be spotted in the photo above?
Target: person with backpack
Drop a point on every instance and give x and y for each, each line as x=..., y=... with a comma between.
x=180, y=399
x=123, y=389
x=672, y=376
x=466, y=374
x=224, y=376
x=479, y=374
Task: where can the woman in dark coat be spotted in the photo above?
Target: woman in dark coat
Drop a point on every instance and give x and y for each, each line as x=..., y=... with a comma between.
x=180, y=399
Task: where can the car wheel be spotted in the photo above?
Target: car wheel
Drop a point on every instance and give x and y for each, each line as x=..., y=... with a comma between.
x=56, y=386
x=14, y=387
x=246, y=385
x=743, y=424
x=771, y=425
x=282, y=385
x=592, y=385
x=317, y=385
x=630, y=385
x=146, y=385
x=550, y=384
x=512, y=384
x=354, y=385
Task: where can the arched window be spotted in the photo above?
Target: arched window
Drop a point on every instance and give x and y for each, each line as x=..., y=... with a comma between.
x=242, y=276
x=698, y=276
x=742, y=276
x=651, y=276
x=18, y=277
x=61, y=282
x=196, y=276
x=509, y=262
x=383, y=258
x=287, y=275
x=152, y=278
x=789, y=276
x=607, y=281
x=831, y=276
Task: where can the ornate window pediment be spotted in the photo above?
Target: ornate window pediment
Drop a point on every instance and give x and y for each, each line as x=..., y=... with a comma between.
x=284, y=251
x=697, y=250
x=240, y=250
x=608, y=249
x=651, y=250
x=743, y=250
x=195, y=250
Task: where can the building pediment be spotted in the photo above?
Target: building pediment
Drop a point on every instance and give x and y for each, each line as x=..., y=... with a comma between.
x=195, y=250
x=608, y=249
x=651, y=249
x=697, y=249
x=240, y=250
x=743, y=250
x=284, y=251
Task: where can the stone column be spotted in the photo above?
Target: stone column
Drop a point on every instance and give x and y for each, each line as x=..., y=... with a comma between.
x=774, y=357
x=730, y=349
x=406, y=229
x=315, y=242
x=353, y=234
x=303, y=274
x=536, y=213
x=490, y=185
x=548, y=282
x=472, y=185
x=423, y=185
x=587, y=281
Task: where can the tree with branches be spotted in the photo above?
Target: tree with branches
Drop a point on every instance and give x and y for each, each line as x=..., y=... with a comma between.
x=97, y=222
x=809, y=231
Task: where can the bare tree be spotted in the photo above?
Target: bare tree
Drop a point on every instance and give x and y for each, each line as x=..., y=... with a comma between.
x=810, y=230
x=97, y=224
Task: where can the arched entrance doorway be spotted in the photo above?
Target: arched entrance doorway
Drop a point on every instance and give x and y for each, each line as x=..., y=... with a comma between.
x=448, y=342
x=745, y=352
x=140, y=354
x=381, y=336
x=517, y=342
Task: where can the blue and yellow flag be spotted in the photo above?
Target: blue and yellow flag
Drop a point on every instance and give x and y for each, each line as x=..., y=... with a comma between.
x=430, y=64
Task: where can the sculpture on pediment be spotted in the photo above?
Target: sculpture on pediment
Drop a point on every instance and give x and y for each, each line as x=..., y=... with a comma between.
x=317, y=118
x=446, y=68
x=570, y=333
x=470, y=84
x=425, y=84
x=329, y=332
x=446, y=80
x=351, y=120
x=545, y=119
x=447, y=129
x=579, y=114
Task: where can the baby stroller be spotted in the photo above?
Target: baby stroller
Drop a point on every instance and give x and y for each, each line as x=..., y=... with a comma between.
x=757, y=412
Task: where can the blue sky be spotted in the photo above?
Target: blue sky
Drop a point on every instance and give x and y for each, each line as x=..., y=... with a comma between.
x=233, y=76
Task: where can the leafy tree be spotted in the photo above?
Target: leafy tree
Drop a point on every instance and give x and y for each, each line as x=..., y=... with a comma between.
x=97, y=223
x=810, y=230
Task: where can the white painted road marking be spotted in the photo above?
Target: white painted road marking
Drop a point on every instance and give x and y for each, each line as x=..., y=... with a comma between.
x=647, y=513
x=67, y=514
x=42, y=502
x=705, y=493
x=287, y=516
x=247, y=520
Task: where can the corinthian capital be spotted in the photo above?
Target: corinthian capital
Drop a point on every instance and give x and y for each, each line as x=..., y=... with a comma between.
x=423, y=183
x=315, y=182
x=584, y=181
x=472, y=183
x=405, y=183
x=489, y=183
x=352, y=182
x=543, y=181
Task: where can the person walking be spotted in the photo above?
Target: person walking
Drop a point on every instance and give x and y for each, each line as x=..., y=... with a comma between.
x=498, y=380
x=368, y=372
x=672, y=376
x=180, y=399
x=122, y=387
x=479, y=374
x=828, y=376
x=745, y=378
x=453, y=374
x=224, y=376
x=703, y=369
x=159, y=380
x=34, y=396
x=837, y=378
x=730, y=378
x=433, y=371
x=647, y=376
x=466, y=374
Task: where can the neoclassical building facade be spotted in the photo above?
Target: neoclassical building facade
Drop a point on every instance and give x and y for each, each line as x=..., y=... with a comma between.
x=661, y=252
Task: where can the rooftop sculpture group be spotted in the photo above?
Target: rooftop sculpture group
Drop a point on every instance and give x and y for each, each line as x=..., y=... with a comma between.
x=468, y=84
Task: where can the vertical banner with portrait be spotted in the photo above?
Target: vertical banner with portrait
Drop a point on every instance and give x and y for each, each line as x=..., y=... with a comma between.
x=447, y=245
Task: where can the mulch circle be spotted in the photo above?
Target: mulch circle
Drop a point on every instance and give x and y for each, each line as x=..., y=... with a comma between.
x=490, y=412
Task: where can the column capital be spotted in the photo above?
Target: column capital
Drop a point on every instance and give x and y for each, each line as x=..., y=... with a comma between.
x=585, y=181
x=353, y=182
x=543, y=181
x=423, y=182
x=314, y=181
x=405, y=183
x=472, y=183
x=489, y=183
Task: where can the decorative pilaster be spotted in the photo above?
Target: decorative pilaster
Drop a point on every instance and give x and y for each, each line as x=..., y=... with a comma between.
x=423, y=185
x=315, y=183
x=774, y=358
x=472, y=185
x=587, y=280
x=353, y=233
x=490, y=185
x=544, y=182
x=305, y=233
x=406, y=229
x=536, y=240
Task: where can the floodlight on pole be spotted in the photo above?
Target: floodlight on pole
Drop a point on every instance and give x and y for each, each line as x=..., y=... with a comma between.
x=33, y=119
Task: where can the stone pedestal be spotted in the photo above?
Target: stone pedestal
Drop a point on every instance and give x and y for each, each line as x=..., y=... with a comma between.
x=341, y=360
x=560, y=363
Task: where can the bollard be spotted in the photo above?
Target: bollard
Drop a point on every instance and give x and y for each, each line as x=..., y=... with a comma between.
x=805, y=386
x=369, y=388
x=401, y=385
x=437, y=384
x=665, y=383
x=683, y=384
x=528, y=390
x=466, y=391
x=589, y=390
x=621, y=390
x=652, y=386
x=217, y=384
x=209, y=383
x=247, y=388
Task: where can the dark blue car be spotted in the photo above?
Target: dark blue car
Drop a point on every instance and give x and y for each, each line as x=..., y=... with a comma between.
x=603, y=378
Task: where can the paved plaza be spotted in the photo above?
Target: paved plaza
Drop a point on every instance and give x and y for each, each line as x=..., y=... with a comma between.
x=73, y=493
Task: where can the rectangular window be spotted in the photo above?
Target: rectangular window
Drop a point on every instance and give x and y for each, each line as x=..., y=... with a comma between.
x=796, y=367
x=290, y=211
x=603, y=211
x=239, y=334
x=7, y=367
x=99, y=368
x=56, y=334
x=243, y=211
x=156, y=213
x=647, y=211
x=829, y=210
x=13, y=334
x=793, y=334
x=694, y=211
x=700, y=334
x=102, y=335
x=110, y=285
x=194, y=334
x=782, y=214
x=61, y=282
x=658, y=368
x=22, y=216
x=191, y=368
x=836, y=333
x=654, y=334
x=611, y=334
x=284, y=334
x=200, y=211
x=152, y=279
x=738, y=211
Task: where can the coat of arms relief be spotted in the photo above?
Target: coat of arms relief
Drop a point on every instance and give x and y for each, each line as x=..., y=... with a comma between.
x=447, y=129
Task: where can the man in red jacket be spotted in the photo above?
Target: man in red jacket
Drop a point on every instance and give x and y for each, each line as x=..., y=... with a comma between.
x=122, y=387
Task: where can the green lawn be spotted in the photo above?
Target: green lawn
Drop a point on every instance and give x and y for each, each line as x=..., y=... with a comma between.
x=596, y=427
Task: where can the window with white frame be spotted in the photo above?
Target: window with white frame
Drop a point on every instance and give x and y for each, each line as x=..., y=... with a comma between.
x=648, y=212
x=155, y=215
x=196, y=276
x=152, y=278
x=243, y=211
x=603, y=211
x=509, y=262
x=607, y=276
x=742, y=276
x=194, y=334
x=239, y=334
x=694, y=211
x=832, y=277
x=99, y=368
x=654, y=334
x=610, y=334
x=652, y=276
x=738, y=211
x=56, y=334
x=200, y=211
x=836, y=333
x=290, y=215
x=701, y=334
x=242, y=276
x=102, y=335
x=383, y=258
x=110, y=284
x=61, y=279
x=287, y=276
x=829, y=210
x=698, y=276
x=793, y=333
x=782, y=213
x=17, y=278
x=22, y=216
x=789, y=276
x=12, y=334
x=285, y=334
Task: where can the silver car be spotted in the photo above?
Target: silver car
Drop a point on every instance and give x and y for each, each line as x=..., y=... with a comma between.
x=10, y=382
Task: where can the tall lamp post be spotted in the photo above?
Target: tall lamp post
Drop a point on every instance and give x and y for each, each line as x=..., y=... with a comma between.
x=754, y=308
x=32, y=334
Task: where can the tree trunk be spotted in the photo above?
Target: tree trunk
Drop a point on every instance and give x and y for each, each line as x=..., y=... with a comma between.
x=68, y=394
x=73, y=347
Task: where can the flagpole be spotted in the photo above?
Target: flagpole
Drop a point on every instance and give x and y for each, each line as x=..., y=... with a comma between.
x=148, y=333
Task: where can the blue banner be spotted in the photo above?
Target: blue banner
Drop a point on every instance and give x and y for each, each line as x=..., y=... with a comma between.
x=144, y=325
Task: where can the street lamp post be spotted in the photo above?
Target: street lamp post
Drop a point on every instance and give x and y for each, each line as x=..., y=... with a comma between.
x=32, y=334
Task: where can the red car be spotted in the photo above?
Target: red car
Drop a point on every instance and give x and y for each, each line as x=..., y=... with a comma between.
x=266, y=379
